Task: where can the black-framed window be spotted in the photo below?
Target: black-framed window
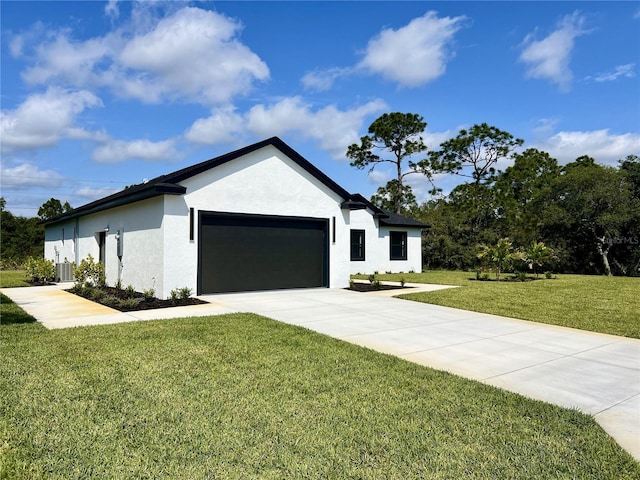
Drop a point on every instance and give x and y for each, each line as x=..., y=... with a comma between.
x=398, y=245
x=357, y=245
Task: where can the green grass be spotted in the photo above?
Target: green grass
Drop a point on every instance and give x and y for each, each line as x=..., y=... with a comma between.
x=241, y=396
x=13, y=278
x=11, y=313
x=595, y=303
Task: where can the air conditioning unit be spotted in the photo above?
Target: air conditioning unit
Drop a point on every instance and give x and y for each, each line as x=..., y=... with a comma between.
x=64, y=272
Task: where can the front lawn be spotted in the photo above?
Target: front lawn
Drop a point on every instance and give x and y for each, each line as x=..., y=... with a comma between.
x=241, y=396
x=588, y=302
x=13, y=278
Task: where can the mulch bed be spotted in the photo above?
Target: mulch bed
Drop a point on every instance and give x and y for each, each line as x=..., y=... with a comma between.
x=367, y=287
x=119, y=300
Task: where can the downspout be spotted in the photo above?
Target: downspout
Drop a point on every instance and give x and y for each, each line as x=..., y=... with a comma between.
x=77, y=242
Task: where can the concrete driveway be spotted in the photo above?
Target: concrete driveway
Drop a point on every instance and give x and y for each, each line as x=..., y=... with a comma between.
x=595, y=373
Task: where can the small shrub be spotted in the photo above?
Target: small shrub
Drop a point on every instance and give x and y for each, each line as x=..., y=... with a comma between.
x=130, y=292
x=548, y=275
x=372, y=278
x=109, y=300
x=127, y=303
x=89, y=273
x=484, y=277
x=402, y=282
x=520, y=276
x=376, y=284
x=95, y=294
x=40, y=270
x=388, y=272
x=149, y=294
x=376, y=272
x=351, y=284
x=412, y=271
x=30, y=268
x=184, y=293
x=118, y=285
x=173, y=295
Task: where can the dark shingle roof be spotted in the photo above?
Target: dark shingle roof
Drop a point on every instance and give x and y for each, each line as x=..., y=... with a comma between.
x=394, y=220
x=169, y=184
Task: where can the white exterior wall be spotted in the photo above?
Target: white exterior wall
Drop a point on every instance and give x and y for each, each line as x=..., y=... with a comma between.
x=377, y=247
x=60, y=242
x=140, y=223
x=157, y=250
x=143, y=242
x=281, y=187
x=180, y=255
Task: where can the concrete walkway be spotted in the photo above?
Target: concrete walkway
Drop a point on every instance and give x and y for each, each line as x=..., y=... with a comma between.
x=595, y=373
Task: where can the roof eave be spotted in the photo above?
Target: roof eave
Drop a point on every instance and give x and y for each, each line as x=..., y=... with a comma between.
x=119, y=200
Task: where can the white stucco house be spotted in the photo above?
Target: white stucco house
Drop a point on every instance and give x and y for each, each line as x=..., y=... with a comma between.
x=259, y=218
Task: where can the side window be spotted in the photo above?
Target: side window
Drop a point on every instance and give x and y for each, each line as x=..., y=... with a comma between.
x=357, y=244
x=398, y=245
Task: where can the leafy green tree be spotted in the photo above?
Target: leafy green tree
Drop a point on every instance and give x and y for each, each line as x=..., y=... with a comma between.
x=444, y=244
x=630, y=167
x=475, y=152
x=386, y=198
x=393, y=138
x=587, y=210
x=20, y=238
x=626, y=253
x=520, y=194
x=53, y=208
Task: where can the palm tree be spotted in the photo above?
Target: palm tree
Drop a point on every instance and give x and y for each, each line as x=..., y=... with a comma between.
x=536, y=255
x=499, y=255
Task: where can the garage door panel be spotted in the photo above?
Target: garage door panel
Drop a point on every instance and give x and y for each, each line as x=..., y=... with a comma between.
x=241, y=254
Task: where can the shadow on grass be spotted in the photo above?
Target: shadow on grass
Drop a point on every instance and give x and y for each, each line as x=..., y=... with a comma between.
x=11, y=314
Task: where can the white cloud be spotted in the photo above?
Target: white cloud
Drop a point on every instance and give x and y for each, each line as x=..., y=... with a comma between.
x=92, y=193
x=223, y=126
x=414, y=54
x=433, y=139
x=602, y=145
x=545, y=128
x=111, y=9
x=117, y=151
x=63, y=61
x=549, y=58
x=194, y=53
x=43, y=119
x=322, y=80
x=625, y=71
x=334, y=129
x=379, y=176
x=191, y=54
x=27, y=175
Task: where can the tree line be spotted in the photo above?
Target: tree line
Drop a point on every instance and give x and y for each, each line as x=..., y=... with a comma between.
x=22, y=237
x=588, y=214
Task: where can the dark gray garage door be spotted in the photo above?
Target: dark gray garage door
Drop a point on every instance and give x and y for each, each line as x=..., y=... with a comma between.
x=254, y=252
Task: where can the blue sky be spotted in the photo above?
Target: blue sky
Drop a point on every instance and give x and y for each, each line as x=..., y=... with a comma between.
x=99, y=95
